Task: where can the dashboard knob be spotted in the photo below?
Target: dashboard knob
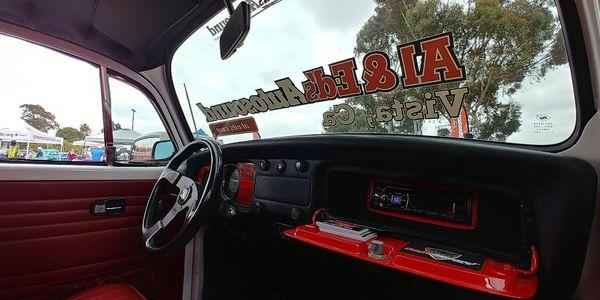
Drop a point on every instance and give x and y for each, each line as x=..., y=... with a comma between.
x=258, y=207
x=280, y=166
x=376, y=249
x=295, y=214
x=301, y=166
x=264, y=165
x=230, y=211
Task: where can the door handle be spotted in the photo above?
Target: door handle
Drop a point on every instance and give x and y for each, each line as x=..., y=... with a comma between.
x=108, y=207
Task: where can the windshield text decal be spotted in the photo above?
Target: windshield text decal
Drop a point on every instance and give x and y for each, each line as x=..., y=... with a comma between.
x=256, y=8
x=451, y=100
x=438, y=65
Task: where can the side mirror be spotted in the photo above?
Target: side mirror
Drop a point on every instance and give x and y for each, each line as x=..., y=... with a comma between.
x=235, y=30
x=163, y=150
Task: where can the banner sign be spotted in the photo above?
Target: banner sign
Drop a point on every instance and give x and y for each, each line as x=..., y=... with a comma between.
x=243, y=125
x=460, y=125
x=24, y=137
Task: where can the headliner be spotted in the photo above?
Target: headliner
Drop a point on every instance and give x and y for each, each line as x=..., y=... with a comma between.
x=140, y=34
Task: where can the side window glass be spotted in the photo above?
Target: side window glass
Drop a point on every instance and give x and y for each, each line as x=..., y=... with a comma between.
x=51, y=104
x=138, y=132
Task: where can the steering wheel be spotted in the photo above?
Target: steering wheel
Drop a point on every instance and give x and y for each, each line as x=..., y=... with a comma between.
x=196, y=201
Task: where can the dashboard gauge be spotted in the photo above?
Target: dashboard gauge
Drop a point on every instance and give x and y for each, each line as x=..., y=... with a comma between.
x=231, y=182
x=234, y=182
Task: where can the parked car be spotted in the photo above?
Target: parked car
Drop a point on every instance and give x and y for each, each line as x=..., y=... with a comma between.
x=50, y=154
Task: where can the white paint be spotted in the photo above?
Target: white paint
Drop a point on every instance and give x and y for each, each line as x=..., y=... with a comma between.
x=49, y=172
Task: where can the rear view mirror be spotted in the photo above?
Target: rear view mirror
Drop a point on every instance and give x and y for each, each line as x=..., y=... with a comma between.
x=235, y=30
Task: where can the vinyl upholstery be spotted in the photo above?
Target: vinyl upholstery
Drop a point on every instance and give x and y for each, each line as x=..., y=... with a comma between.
x=110, y=292
x=49, y=238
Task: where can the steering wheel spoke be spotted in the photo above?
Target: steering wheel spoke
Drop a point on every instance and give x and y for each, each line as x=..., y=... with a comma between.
x=161, y=224
x=149, y=233
x=176, y=178
x=171, y=176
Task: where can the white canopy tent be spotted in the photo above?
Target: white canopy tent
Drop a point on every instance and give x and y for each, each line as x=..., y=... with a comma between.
x=25, y=133
x=120, y=137
x=85, y=143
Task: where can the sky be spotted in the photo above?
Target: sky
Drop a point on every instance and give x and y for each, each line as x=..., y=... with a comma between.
x=68, y=88
x=284, y=40
x=293, y=36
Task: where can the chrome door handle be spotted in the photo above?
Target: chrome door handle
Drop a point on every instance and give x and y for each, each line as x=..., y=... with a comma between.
x=108, y=207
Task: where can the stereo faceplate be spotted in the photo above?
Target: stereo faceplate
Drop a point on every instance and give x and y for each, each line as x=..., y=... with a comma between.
x=437, y=205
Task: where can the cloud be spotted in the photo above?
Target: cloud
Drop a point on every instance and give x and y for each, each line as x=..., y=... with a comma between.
x=279, y=45
x=67, y=87
x=339, y=15
x=286, y=39
x=553, y=97
x=294, y=36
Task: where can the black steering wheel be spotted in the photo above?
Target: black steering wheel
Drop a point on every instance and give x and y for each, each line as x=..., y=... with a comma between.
x=196, y=201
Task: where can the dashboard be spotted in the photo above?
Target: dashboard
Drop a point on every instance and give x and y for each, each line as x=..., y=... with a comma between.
x=516, y=210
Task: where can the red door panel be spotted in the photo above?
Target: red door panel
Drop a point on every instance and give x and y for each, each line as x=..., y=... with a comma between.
x=48, y=236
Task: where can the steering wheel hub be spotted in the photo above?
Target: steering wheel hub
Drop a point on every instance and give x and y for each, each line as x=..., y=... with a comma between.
x=184, y=194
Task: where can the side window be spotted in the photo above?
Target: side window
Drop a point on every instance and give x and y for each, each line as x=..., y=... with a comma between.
x=138, y=132
x=51, y=106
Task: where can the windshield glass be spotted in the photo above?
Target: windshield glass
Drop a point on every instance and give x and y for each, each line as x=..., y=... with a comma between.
x=487, y=70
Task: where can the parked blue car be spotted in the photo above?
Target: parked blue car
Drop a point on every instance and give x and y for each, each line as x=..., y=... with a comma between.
x=51, y=154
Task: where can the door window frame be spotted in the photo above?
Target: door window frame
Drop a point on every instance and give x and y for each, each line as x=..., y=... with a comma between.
x=104, y=73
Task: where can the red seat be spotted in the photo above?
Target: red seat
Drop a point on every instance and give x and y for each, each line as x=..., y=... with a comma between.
x=110, y=292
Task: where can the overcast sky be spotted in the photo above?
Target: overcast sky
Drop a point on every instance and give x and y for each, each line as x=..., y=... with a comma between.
x=293, y=36
x=286, y=39
x=67, y=87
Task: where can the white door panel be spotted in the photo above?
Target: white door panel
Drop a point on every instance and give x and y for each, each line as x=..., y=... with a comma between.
x=37, y=172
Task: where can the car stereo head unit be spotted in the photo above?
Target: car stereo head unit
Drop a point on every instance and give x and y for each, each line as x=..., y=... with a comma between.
x=437, y=205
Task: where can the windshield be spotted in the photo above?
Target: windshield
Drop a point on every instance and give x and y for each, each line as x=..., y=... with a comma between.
x=486, y=70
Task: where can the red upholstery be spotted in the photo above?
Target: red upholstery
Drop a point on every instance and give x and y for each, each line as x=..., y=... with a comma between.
x=49, y=241
x=110, y=292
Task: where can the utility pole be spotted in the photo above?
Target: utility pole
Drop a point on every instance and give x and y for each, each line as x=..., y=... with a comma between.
x=132, y=117
x=190, y=105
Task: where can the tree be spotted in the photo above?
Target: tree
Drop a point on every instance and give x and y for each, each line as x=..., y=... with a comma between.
x=36, y=116
x=70, y=134
x=85, y=129
x=115, y=126
x=500, y=43
x=443, y=132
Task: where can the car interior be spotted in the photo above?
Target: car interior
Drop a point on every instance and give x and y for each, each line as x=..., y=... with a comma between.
x=349, y=215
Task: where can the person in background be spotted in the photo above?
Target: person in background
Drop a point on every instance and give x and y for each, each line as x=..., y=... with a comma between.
x=31, y=154
x=13, y=149
x=87, y=153
x=71, y=155
x=98, y=154
x=39, y=154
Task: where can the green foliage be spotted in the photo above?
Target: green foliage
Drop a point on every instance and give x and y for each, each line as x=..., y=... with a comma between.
x=85, y=129
x=443, y=132
x=500, y=43
x=70, y=134
x=36, y=116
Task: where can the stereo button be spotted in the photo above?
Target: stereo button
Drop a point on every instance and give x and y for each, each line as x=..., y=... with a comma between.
x=280, y=166
x=301, y=166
